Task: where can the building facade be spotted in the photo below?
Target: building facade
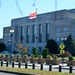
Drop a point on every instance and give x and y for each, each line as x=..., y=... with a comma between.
x=6, y=37
x=36, y=32
x=1, y=39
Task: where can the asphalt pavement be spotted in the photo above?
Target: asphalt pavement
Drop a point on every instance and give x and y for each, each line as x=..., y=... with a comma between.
x=2, y=73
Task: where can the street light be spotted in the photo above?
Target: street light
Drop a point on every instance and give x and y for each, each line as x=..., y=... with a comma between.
x=62, y=49
x=11, y=35
x=63, y=39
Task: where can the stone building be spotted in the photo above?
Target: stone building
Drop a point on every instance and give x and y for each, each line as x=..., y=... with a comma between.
x=1, y=39
x=36, y=32
x=6, y=37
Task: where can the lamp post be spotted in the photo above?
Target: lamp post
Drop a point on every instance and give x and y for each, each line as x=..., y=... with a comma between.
x=11, y=35
x=62, y=46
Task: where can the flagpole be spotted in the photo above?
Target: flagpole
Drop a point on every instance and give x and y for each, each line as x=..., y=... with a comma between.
x=36, y=30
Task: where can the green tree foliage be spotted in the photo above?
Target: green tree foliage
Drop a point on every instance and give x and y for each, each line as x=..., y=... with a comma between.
x=35, y=52
x=2, y=47
x=45, y=52
x=15, y=52
x=52, y=46
x=69, y=44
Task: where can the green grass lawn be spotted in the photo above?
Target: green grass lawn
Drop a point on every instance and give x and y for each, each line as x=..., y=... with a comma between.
x=40, y=72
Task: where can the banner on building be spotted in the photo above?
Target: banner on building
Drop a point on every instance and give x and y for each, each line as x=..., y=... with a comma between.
x=32, y=15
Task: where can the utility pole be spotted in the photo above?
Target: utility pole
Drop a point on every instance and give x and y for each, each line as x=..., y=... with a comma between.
x=55, y=9
x=55, y=5
x=0, y=3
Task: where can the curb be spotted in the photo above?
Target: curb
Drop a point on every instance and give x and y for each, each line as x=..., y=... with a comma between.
x=19, y=73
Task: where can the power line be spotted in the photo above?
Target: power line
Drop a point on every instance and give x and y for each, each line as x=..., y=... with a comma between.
x=16, y=1
x=34, y=3
x=55, y=5
x=55, y=9
x=0, y=3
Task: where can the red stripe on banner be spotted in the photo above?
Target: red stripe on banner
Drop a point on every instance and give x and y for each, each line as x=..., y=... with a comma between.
x=32, y=15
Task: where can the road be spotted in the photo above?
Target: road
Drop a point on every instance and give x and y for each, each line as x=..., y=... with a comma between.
x=1, y=73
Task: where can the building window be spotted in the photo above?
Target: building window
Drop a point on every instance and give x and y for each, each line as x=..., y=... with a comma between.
x=57, y=39
x=47, y=31
x=40, y=29
x=39, y=50
x=22, y=34
x=27, y=34
x=33, y=33
x=40, y=32
x=5, y=34
x=65, y=29
x=47, y=28
x=9, y=34
x=22, y=30
x=58, y=30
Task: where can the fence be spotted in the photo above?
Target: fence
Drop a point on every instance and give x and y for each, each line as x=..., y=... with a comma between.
x=33, y=66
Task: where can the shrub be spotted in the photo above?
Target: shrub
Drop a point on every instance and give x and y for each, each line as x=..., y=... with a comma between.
x=2, y=47
x=49, y=57
x=18, y=55
x=45, y=52
x=54, y=57
x=66, y=54
x=32, y=56
x=70, y=57
x=40, y=57
x=25, y=56
x=2, y=55
x=35, y=52
x=13, y=56
x=7, y=55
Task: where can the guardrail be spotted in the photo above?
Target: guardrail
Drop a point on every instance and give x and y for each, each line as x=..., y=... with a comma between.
x=34, y=65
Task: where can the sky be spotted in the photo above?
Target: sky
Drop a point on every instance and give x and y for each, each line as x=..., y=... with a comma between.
x=11, y=9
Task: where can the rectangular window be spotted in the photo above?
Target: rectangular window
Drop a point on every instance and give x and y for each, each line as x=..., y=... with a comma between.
x=58, y=30
x=47, y=31
x=47, y=28
x=40, y=32
x=22, y=34
x=33, y=33
x=22, y=31
x=57, y=39
x=65, y=29
x=5, y=34
x=40, y=29
x=27, y=34
x=39, y=50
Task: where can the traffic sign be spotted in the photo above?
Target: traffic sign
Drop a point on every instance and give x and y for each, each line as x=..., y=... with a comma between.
x=62, y=46
x=62, y=51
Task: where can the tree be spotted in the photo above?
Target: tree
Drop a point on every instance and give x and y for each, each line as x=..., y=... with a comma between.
x=34, y=51
x=45, y=52
x=52, y=46
x=2, y=47
x=69, y=44
x=22, y=50
x=15, y=52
